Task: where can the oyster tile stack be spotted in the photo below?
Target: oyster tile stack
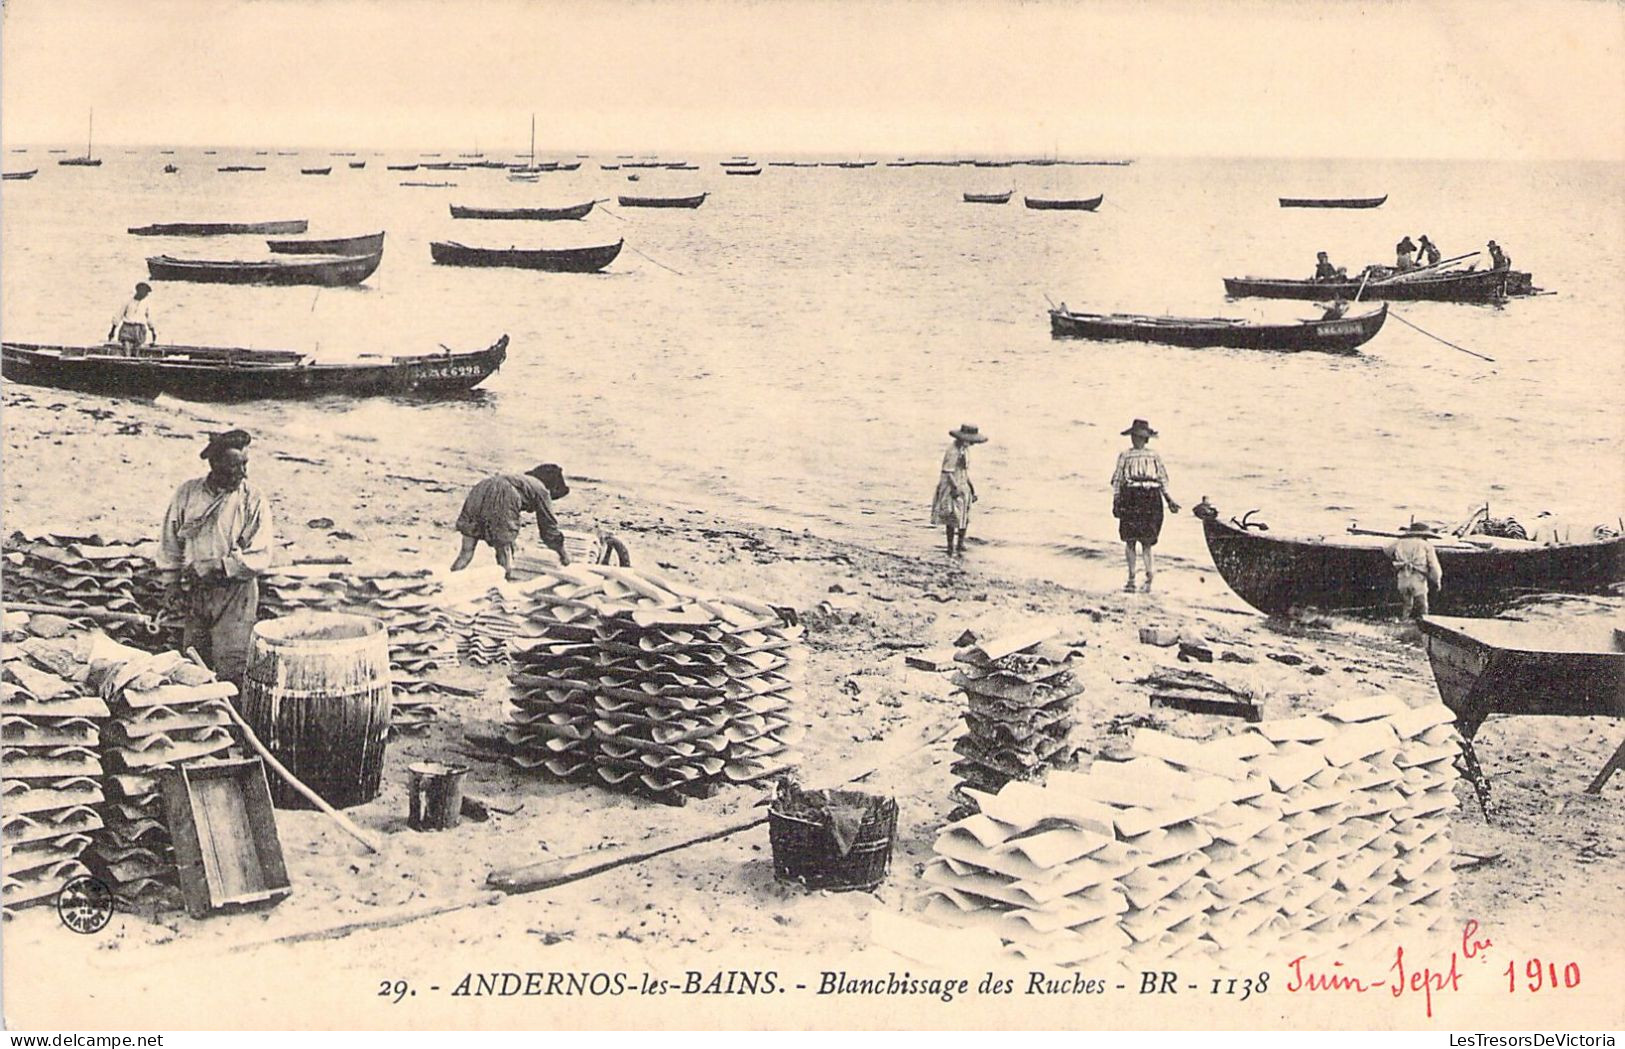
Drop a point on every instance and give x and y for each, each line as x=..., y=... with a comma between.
x=89, y=572
x=50, y=735
x=165, y=711
x=648, y=685
x=1300, y=835
x=1019, y=694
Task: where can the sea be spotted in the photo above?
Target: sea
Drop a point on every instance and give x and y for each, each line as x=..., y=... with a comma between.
x=795, y=351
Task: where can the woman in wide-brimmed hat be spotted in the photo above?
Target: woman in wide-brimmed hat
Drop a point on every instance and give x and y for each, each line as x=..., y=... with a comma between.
x=491, y=513
x=950, y=507
x=1139, y=488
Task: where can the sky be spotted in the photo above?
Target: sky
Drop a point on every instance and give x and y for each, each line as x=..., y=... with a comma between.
x=1537, y=79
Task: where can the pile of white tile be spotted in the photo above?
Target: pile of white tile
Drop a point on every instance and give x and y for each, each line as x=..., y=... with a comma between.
x=165, y=711
x=50, y=765
x=1019, y=696
x=1299, y=835
x=638, y=682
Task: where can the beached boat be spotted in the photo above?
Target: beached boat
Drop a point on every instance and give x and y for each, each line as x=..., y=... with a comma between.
x=208, y=373
x=1333, y=202
x=1336, y=335
x=1353, y=573
x=562, y=260
x=19, y=176
x=328, y=271
x=574, y=211
x=219, y=229
x=989, y=198
x=358, y=164
x=401, y=167
x=1497, y=666
x=366, y=244
x=743, y=171
x=235, y=168
x=663, y=202
x=1465, y=286
x=316, y=171
x=1043, y=204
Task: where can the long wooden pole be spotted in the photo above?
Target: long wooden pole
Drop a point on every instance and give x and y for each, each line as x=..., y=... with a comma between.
x=1423, y=269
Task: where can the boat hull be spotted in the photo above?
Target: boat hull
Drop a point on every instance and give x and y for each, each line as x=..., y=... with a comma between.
x=326, y=272
x=1486, y=667
x=364, y=245
x=1038, y=204
x=1344, y=335
x=1476, y=286
x=1278, y=576
x=569, y=260
x=19, y=176
x=575, y=211
x=1333, y=202
x=222, y=374
x=989, y=198
x=217, y=229
x=662, y=202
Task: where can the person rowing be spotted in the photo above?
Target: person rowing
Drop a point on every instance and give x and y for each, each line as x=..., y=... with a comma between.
x=1324, y=270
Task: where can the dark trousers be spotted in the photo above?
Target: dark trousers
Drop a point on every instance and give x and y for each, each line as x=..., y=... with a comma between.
x=219, y=619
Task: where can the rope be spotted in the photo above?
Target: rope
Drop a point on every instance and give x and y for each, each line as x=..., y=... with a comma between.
x=1394, y=314
x=657, y=262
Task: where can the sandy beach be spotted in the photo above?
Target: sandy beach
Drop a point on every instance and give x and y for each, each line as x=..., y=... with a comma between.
x=81, y=464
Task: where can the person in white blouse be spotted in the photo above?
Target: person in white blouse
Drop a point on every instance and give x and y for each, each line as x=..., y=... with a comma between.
x=1139, y=488
x=132, y=327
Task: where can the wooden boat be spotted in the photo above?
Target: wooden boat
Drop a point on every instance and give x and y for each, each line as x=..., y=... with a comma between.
x=315, y=171
x=663, y=202
x=328, y=271
x=1339, y=335
x=19, y=176
x=206, y=373
x=609, y=167
x=1042, y=204
x=448, y=166
x=565, y=260
x=1466, y=286
x=358, y=163
x=989, y=198
x=1333, y=202
x=743, y=171
x=574, y=211
x=1496, y=666
x=233, y=168
x=1353, y=573
x=217, y=229
x=429, y=185
x=366, y=244
x=738, y=164
x=86, y=161
x=401, y=167
x=170, y=169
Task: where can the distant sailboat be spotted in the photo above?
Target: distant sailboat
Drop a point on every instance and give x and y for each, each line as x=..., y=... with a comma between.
x=86, y=161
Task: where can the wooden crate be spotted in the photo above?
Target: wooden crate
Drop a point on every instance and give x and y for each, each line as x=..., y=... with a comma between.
x=224, y=830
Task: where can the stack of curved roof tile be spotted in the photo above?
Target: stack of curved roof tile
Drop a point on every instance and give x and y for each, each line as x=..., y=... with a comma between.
x=1300, y=835
x=50, y=768
x=165, y=711
x=91, y=572
x=1019, y=695
x=645, y=684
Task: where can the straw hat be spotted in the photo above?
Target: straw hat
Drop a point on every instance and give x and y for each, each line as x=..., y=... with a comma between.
x=967, y=433
x=1140, y=426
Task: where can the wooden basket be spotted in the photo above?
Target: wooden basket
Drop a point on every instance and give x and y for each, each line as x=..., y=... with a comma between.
x=224, y=831
x=805, y=851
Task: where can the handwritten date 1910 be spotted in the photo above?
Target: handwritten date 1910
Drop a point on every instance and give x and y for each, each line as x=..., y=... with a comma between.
x=1539, y=976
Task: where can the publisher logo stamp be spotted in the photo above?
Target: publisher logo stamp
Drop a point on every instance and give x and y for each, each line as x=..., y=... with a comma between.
x=85, y=904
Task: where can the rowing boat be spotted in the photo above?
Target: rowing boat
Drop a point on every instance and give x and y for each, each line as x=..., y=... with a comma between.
x=989, y=198
x=1466, y=286
x=574, y=211
x=1353, y=573
x=1041, y=204
x=565, y=260
x=217, y=229
x=315, y=171
x=1333, y=202
x=328, y=271
x=366, y=244
x=663, y=202
x=1336, y=335
x=208, y=373
x=19, y=176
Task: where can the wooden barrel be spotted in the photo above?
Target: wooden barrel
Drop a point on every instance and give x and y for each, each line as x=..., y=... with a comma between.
x=317, y=694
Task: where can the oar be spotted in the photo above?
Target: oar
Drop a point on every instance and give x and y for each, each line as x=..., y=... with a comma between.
x=1363, y=278
x=1423, y=269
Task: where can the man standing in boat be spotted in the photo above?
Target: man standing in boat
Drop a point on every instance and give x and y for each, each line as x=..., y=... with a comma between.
x=491, y=514
x=1404, y=255
x=216, y=541
x=133, y=325
x=1498, y=258
x=1427, y=252
x=1416, y=568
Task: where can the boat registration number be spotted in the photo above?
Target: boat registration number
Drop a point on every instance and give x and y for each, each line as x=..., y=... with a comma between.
x=1340, y=328
x=448, y=371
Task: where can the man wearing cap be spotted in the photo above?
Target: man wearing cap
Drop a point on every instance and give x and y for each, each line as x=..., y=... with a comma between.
x=491, y=514
x=1416, y=567
x=216, y=540
x=133, y=325
x=1324, y=270
x=1139, y=488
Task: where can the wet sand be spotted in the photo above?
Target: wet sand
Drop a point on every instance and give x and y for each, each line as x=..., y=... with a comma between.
x=77, y=463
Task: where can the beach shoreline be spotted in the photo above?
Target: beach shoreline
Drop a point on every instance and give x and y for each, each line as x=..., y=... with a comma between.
x=79, y=464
